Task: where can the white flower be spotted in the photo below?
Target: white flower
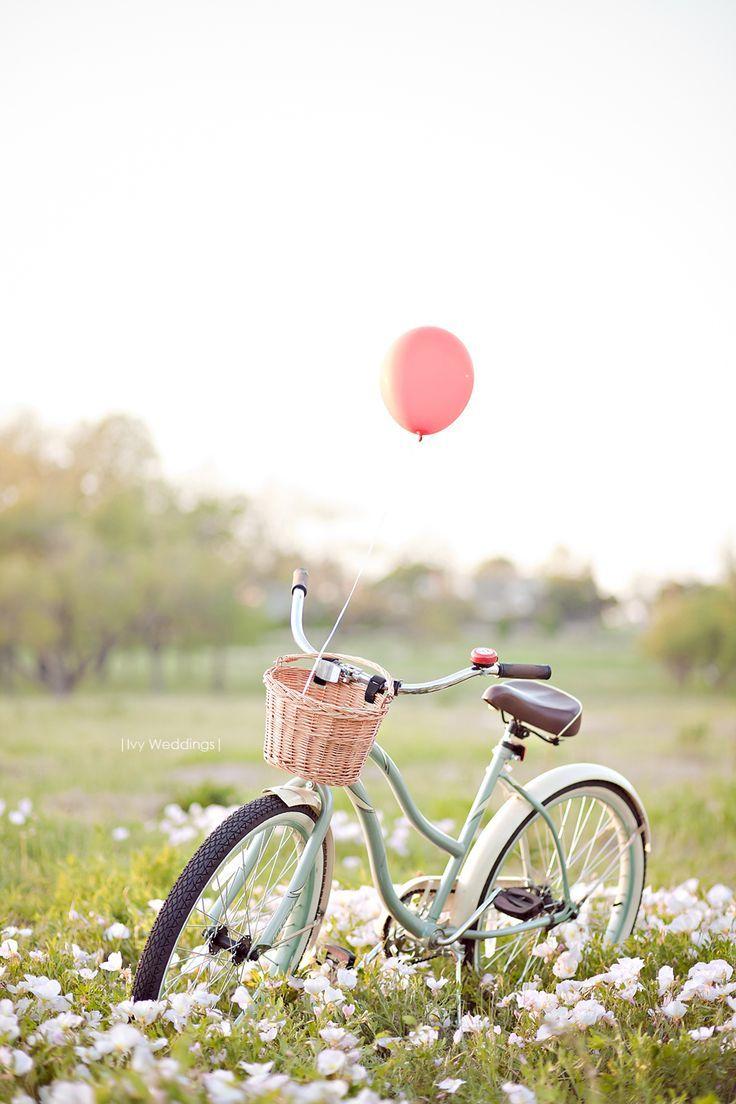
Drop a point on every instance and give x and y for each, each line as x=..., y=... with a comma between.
x=701, y=1033
x=331, y=1061
x=588, y=1012
x=674, y=1009
x=12, y=931
x=120, y=1039
x=9, y=948
x=222, y=1087
x=333, y=1035
x=625, y=976
x=120, y=833
x=450, y=1084
x=156, y=904
x=719, y=896
x=332, y=996
x=471, y=1025
x=56, y=1029
x=46, y=990
x=534, y=1001
x=113, y=963
x=17, y=1061
x=547, y=949
x=256, y=1069
x=146, y=1011
x=665, y=979
x=242, y=998
x=8, y=1020
x=316, y=984
x=347, y=979
x=68, y=1092
x=567, y=964
x=437, y=983
x=556, y=1022
x=117, y=931
x=518, y=1094
x=423, y=1036
x=269, y=1029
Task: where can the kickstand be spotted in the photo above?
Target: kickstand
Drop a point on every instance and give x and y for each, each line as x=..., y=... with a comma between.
x=371, y=955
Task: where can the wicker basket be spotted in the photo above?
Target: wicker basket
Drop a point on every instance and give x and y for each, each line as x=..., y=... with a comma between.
x=326, y=735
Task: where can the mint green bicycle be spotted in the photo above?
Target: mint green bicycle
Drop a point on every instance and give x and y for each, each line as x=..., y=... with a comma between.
x=569, y=847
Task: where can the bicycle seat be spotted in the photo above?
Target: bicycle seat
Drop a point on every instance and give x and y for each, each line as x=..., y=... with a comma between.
x=545, y=707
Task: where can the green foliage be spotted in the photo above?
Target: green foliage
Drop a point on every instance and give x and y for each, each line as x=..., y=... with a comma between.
x=98, y=551
x=693, y=632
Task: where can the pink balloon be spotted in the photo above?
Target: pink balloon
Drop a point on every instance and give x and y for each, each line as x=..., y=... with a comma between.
x=427, y=379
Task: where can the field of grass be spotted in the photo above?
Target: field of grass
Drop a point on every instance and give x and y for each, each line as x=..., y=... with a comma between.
x=100, y=767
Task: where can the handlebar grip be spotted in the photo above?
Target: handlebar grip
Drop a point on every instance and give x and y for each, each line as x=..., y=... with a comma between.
x=524, y=670
x=299, y=579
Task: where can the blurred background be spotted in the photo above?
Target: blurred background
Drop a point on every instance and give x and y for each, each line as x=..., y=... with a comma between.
x=215, y=219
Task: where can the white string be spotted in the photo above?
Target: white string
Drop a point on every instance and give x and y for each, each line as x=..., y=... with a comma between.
x=361, y=569
x=353, y=588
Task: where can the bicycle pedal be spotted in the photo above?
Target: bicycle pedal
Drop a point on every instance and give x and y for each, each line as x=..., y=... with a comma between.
x=522, y=904
x=339, y=956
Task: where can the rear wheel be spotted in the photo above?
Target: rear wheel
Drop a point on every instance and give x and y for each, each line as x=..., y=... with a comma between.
x=602, y=838
x=223, y=899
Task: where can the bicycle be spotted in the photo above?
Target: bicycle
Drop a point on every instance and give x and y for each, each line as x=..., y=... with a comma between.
x=570, y=846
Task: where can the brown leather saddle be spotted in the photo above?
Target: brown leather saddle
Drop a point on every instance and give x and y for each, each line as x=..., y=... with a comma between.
x=538, y=706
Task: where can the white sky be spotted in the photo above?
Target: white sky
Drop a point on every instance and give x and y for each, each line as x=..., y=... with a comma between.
x=217, y=216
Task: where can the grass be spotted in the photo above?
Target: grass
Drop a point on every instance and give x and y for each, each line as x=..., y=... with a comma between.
x=81, y=763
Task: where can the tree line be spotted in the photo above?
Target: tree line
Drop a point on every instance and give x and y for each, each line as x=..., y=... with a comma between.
x=101, y=554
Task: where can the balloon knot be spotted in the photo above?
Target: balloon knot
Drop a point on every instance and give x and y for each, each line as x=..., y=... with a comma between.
x=421, y=437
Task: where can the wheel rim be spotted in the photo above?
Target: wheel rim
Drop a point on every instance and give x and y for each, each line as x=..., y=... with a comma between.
x=233, y=908
x=600, y=836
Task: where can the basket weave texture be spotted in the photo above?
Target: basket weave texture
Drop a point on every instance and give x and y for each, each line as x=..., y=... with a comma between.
x=324, y=736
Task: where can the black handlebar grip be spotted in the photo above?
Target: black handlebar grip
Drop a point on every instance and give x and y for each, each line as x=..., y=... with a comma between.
x=299, y=579
x=525, y=670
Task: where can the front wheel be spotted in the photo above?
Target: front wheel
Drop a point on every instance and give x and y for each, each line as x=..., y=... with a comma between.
x=223, y=900
x=602, y=839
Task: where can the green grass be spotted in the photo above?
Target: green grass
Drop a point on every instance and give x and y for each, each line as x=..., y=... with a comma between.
x=77, y=760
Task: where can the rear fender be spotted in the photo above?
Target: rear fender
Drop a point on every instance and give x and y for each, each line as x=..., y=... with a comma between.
x=474, y=874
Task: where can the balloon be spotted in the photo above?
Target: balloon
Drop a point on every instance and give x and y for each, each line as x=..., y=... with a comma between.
x=427, y=379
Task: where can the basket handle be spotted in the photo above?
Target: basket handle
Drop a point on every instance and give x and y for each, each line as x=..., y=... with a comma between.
x=356, y=661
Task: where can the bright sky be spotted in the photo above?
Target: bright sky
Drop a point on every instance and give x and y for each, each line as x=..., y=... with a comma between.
x=217, y=216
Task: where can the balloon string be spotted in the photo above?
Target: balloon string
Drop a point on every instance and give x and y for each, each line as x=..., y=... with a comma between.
x=366, y=558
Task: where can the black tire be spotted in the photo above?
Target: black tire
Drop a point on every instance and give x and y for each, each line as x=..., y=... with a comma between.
x=192, y=882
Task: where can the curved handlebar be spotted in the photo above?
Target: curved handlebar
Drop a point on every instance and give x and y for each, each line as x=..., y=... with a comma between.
x=501, y=670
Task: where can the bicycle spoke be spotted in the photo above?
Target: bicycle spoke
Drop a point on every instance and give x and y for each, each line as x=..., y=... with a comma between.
x=238, y=902
x=593, y=842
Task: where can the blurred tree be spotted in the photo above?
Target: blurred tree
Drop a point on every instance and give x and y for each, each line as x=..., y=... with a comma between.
x=415, y=595
x=693, y=631
x=97, y=549
x=502, y=596
x=569, y=593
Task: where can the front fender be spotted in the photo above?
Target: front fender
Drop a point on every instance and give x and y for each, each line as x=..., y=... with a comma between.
x=511, y=815
x=304, y=795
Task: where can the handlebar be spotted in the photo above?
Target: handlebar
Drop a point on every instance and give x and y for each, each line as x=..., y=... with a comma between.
x=501, y=670
x=299, y=579
x=524, y=670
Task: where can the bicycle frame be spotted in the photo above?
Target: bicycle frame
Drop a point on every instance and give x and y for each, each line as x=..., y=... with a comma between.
x=458, y=850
